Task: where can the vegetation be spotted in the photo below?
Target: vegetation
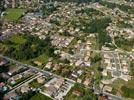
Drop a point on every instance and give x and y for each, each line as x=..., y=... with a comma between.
x=97, y=25
x=124, y=43
x=28, y=47
x=20, y=80
x=122, y=24
x=17, y=39
x=128, y=92
x=122, y=7
x=130, y=84
x=42, y=58
x=86, y=94
x=39, y=96
x=28, y=95
x=103, y=38
x=79, y=1
x=89, y=11
x=126, y=88
x=4, y=69
x=132, y=68
x=13, y=14
x=34, y=84
x=48, y=9
x=95, y=59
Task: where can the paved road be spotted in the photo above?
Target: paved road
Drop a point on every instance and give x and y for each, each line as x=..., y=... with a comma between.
x=112, y=97
x=23, y=83
x=107, y=51
x=35, y=68
x=49, y=73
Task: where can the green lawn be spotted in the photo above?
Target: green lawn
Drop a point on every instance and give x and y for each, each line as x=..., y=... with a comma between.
x=118, y=83
x=18, y=39
x=39, y=96
x=14, y=14
x=130, y=84
x=43, y=58
x=86, y=94
x=34, y=84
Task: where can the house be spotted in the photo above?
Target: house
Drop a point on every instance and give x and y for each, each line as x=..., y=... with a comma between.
x=89, y=42
x=101, y=85
x=74, y=74
x=80, y=72
x=40, y=79
x=2, y=84
x=106, y=82
x=86, y=58
x=107, y=88
x=88, y=64
x=125, y=77
x=77, y=93
x=87, y=82
x=49, y=65
x=3, y=62
x=58, y=82
x=104, y=72
x=25, y=89
x=56, y=67
x=78, y=62
x=50, y=90
x=77, y=73
x=79, y=80
x=11, y=96
x=3, y=87
x=15, y=69
x=38, y=63
x=102, y=98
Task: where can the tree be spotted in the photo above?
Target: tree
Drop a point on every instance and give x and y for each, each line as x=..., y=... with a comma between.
x=132, y=67
x=96, y=59
x=127, y=92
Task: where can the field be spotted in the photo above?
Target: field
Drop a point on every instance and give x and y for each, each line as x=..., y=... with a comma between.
x=39, y=96
x=86, y=94
x=18, y=39
x=34, y=84
x=42, y=58
x=14, y=14
x=117, y=84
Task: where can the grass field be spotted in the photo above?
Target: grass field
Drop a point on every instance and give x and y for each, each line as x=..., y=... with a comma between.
x=39, y=96
x=130, y=84
x=86, y=94
x=34, y=84
x=43, y=58
x=14, y=14
x=18, y=39
x=118, y=83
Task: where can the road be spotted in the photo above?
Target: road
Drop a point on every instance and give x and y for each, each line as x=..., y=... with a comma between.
x=49, y=73
x=32, y=67
x=107, y=51
x=111, y=96
x=23, y=83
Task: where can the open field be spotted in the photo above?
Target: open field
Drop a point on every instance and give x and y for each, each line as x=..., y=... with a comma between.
x=18, y=39
x=14, y=14
x=39, y=96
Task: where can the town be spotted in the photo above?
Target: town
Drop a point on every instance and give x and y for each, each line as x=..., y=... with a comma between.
x=67, y=50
